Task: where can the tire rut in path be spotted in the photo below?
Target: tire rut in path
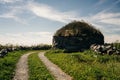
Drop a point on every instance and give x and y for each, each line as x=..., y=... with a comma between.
x=21, y=72
x=54, y=69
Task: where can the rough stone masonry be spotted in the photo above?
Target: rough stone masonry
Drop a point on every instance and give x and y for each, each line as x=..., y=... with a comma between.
x=77, y=36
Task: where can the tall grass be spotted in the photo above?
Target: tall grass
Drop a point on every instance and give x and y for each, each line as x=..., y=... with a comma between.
x=37, y=70
x=87, y=65
x=8, y=63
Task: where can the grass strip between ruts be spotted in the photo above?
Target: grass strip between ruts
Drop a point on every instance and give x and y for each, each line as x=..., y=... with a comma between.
x=37, y=70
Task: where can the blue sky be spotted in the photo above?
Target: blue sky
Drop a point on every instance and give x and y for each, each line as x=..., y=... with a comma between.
x=28, y=22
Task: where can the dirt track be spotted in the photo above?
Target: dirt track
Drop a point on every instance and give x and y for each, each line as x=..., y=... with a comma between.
x=21, y=72
x=54, y=69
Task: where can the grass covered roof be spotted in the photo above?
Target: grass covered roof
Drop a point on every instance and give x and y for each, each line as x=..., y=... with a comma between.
x=77, y=28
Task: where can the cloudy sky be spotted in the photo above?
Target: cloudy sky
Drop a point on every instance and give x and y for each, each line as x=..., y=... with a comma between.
x=31, y=22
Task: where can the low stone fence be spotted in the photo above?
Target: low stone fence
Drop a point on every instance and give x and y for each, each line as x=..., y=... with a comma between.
x=5, y=51
x=105, y=49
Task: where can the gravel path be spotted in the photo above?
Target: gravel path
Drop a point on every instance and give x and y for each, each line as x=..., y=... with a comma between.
x=21, y=72
x=54, y=69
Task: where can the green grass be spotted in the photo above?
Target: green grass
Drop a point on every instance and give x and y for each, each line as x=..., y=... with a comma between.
x=87, y=65
x=37, y=70
x=8, y=64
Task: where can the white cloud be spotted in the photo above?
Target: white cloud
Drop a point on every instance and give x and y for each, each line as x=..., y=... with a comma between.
x=107, y=22
x=113, y=21
x=107, y=18
x=112, y=38
x=100, y=2
x=40, y=10
x=50, y=13
x=8, y=15
x=12, y=14
x=111, y=6
x=28, y=38
x=8, y=1
x=106, y=15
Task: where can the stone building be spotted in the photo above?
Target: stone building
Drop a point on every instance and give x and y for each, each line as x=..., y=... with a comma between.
x=77, y=36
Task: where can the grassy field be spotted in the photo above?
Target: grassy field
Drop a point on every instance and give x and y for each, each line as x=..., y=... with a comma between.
x=37, y=70
x=87, y=65
x=8, y=64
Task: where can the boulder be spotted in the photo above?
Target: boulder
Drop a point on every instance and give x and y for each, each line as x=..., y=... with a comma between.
x=105, y=49
x=77, y=36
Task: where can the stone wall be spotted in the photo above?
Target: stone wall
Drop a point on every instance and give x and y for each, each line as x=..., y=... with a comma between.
x=105, y=49
x=74, y=43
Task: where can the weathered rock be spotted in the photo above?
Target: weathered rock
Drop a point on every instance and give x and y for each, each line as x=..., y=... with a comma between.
x=3, y=52
x=105, y=49
x=77, y=36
